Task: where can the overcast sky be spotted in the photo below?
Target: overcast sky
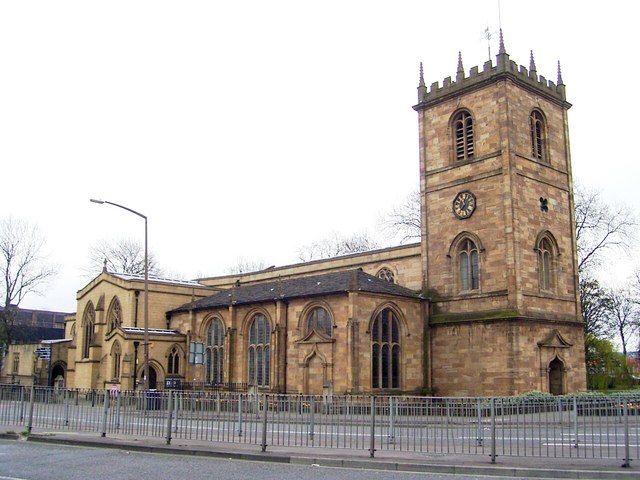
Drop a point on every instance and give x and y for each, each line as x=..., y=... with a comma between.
x=247, y=129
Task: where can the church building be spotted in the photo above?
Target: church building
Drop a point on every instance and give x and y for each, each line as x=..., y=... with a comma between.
x=485, y=304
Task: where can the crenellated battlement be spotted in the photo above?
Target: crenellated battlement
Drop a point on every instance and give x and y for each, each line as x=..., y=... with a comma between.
x=527, y=77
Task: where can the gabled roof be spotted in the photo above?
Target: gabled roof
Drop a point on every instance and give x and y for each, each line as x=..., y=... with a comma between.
x=326, y=284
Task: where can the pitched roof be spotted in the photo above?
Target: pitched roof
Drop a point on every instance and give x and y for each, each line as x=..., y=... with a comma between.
x=328, y=283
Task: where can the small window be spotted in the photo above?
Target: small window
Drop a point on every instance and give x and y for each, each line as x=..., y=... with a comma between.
x=16, y=362
x=538, y=135
x=320, y=321
x=468, y=265
x=464, y=135
x=117, y=356
x=386, y=274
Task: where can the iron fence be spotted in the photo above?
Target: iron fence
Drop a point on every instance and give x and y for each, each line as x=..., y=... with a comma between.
x=568, y=426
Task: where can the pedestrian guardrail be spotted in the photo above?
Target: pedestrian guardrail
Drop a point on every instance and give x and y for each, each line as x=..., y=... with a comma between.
x=579, y=426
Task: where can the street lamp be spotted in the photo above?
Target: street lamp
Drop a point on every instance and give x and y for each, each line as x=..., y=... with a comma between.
x=146, y=289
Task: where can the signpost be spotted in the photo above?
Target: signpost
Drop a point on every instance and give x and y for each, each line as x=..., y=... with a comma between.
x=44, y=353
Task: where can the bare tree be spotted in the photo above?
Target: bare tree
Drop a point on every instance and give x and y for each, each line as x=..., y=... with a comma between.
x=24, y=270
x=623, y=316
x=121, y=256
x=337, y=245
x=600, y=228
x=403, y=220
x=246, y=266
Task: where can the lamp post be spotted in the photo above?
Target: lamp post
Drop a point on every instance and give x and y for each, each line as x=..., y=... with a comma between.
x=146, y=289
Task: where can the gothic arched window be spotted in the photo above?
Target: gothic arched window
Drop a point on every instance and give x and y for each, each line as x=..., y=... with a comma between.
x=545, y=250
x=173, y=362
x=214, y=353
x=115, y=314
x=116, y=354
x=538, y=135
x=385, y=351
x=88, y=325
x=319, y=320
x=259, y=350
x=464, y=135
x=468, y=265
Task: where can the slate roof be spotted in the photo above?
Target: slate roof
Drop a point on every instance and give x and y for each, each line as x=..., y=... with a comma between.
x=325, y=284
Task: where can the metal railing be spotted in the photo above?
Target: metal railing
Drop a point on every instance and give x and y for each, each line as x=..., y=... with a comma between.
x=567, y=426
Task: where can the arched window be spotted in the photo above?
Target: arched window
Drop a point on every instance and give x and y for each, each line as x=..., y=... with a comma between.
x=468, y=265
x=173, y=362
x=386, y=274
x=259, y=343
x=463, y=135
x=88, y=325
x=546, y=253
x=319, y=320
x=214, y=353
x=385, y=351
x=538, y=135
x=116, y=353
x=114, y=317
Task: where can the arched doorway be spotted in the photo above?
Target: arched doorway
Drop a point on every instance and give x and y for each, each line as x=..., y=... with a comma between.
x=556, y=377
x=57, y=376
x=153, y=378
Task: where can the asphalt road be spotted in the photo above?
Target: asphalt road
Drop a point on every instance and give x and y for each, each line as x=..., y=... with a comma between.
x=20, y=460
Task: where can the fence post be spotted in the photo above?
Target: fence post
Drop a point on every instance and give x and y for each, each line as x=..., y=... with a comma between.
x=105, y=413
x=575, y=420
x=169, y=416
x=627, y=453
x=118, y=406
x=239, y=414
x=22, y=389
x=479, y=439
x=372, y=440
x=176, y=407
x=392, y=420
x=312, y=426
x=493, y=430
x=31, y=401
x=67, y=407
x=265, y=409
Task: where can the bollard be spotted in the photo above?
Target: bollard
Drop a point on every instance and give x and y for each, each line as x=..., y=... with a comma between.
x=265, y=408
x=627, y=451
x=372, y=440
x=105, y=414
x=169, y=416
x=31, y=401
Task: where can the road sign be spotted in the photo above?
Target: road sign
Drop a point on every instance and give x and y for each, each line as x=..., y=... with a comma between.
x=196, y=353
x=43, y=352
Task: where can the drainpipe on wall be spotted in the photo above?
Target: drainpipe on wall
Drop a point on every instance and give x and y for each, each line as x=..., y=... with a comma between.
x=135, y=314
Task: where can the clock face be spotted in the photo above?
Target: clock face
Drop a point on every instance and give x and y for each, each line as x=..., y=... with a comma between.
x=464, y=204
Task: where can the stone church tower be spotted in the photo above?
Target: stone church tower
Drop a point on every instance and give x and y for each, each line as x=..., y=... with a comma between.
x=498, y=233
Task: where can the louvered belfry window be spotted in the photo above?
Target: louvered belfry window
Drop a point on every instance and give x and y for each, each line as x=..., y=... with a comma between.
x=464, y=135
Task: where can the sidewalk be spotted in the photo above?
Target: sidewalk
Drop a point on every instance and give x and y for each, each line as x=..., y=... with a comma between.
x=596, y=469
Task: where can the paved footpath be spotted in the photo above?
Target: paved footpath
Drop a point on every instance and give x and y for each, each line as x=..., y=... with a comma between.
x=532, y=467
